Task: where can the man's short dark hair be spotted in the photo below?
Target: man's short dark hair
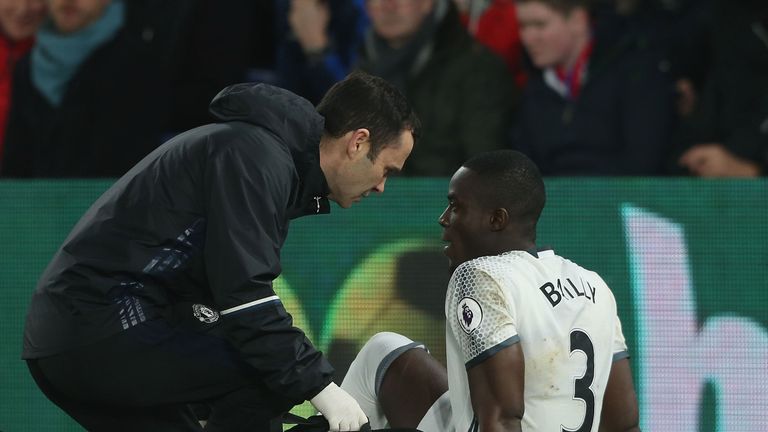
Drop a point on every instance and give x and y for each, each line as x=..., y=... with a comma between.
x=508, y=179
x=365, y=101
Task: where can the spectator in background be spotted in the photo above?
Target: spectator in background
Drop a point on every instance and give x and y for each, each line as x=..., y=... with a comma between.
x=600, y=104
x=90, y=99
x=727, y=133
x=461, y=91
x=494, y=24
x=318, y=43
x=19, y=19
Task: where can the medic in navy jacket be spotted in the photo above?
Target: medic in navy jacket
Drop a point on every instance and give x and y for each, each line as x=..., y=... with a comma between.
x=192, y=235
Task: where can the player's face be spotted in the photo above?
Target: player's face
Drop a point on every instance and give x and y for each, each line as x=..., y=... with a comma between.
x=465, y=222
x=359, y=175
x=547, y=34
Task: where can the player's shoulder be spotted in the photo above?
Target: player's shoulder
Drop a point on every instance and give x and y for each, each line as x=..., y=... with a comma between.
x=492, y=264
x=565, y=266
x=569, y=265
x=498, y=268
x=522, y=261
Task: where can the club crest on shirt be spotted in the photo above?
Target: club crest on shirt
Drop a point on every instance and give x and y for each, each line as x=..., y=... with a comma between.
x=470, y=314
x=204, y=313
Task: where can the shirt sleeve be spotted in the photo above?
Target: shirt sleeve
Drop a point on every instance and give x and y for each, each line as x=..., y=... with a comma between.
x=479, y=315
x=248, y=191
x=619, y=344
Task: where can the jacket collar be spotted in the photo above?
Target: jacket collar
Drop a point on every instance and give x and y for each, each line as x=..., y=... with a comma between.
x=313, y=187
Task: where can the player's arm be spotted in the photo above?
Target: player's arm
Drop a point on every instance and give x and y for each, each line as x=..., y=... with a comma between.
x=483, y=321
x=620, y=411
x=496, y=389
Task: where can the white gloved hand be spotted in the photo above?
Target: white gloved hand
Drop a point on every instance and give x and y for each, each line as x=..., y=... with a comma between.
x=340, y=409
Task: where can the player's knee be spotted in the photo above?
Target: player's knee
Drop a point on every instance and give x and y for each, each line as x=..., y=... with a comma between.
x=384, y=345
x=381, y=350
x=372, y=361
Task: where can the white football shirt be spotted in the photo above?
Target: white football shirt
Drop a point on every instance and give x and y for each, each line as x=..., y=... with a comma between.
x=563, y=316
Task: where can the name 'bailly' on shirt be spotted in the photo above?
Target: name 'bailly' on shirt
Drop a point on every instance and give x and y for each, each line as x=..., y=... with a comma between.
x=557, y=293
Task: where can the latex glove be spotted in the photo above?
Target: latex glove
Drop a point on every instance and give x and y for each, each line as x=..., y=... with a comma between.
x=340, y=409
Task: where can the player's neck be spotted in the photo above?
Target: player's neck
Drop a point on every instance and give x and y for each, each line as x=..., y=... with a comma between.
x=517, y=244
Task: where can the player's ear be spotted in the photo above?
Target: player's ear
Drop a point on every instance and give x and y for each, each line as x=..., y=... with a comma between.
x=499, y=219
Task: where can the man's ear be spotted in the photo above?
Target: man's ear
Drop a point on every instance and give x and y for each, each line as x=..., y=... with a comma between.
x=499, y=219
x=359, y=141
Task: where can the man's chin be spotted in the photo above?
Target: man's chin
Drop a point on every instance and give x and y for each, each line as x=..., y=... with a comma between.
x=451, y=267
x=451, y=264
x=454, y=263
x=343, y=203
x=352, y=201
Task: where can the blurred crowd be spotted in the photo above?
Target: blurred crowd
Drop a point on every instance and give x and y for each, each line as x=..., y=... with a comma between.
x=583, y=87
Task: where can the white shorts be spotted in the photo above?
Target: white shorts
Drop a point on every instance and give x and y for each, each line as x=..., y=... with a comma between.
x=366, y=372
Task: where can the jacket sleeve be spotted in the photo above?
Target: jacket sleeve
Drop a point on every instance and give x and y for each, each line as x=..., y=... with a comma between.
x=247, y=192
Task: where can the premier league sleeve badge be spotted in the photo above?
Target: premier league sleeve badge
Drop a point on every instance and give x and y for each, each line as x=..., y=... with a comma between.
x=469, y=314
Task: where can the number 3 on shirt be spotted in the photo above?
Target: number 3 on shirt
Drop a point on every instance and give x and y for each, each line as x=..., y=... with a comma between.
x=580, y=341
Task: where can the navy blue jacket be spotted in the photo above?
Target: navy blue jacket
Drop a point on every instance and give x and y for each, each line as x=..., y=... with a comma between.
x=199, y=222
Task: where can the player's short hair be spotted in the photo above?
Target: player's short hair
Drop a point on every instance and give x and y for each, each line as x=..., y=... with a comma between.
x=511, y=181
x=564, y=7
x=365, y=101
